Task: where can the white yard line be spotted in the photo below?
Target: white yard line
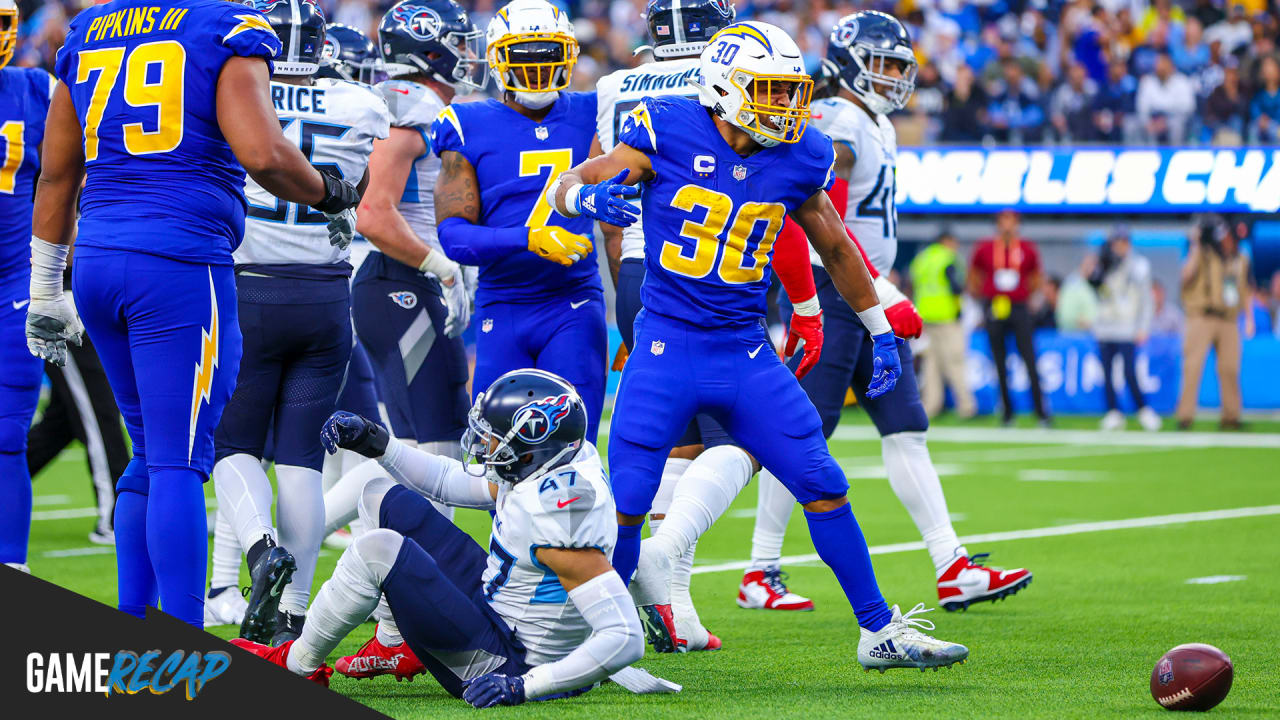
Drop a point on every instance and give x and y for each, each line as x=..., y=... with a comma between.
x=67, y=514
x=1215, y=579
x=1034, y=475
x=1074, y=529
x=77, y=552
x=1083, y=438
x=50, y=499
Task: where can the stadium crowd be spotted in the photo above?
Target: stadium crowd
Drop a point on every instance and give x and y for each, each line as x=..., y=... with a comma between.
x=994, y=71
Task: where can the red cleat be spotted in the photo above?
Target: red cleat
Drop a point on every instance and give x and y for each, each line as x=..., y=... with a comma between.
x=277, y=656
x=713, y=642
x=660, y=629
x=766, y=590
x=374, y=659
x=966, y=581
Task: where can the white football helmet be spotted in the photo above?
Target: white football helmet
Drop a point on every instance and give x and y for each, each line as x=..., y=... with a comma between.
x=532, y=51
x=753, y=77
x=8, y=30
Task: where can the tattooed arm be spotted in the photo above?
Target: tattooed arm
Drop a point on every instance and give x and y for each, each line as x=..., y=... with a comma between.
x=457, y=196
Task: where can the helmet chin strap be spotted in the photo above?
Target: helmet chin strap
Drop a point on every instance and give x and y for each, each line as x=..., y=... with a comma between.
x=536, y=100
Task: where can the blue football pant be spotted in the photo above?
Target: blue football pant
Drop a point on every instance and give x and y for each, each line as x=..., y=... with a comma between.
x=565, y=335
x=421, y=373
x=20, y=374
x=359, y=394
x=169, y=339
x=297, y=341
x=436, y=596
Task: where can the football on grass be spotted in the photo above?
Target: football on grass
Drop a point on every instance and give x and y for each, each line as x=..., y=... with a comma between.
x=1194, y=676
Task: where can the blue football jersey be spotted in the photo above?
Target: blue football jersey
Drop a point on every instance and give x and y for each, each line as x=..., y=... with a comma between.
x=160, y=177
x=24, y=102
x=711, y=216
x=515, y=159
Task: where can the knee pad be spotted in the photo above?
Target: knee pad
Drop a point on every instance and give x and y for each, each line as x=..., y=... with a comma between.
x=13, y=435
x=135, y=478
x=370, y=505
x=377, y=551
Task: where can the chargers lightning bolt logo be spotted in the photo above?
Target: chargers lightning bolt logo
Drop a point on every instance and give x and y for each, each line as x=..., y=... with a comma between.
x=537, y=420
x=204, y=368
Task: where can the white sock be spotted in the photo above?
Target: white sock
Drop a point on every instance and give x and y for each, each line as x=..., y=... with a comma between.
x=226, y=554
x=915, y=481
x=244, y=494
x=774, y=505
x=688, y=624
x=346, y=599
x=671, y=472
x=388, y=633
x=300, y=515
x=703, y=494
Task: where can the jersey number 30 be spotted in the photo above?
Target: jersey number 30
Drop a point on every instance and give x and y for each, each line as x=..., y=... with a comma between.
x=706, y=236
x=165, y=94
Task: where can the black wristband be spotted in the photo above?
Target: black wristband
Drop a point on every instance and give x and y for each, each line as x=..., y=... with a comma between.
x=373, y=444
x=338, y=193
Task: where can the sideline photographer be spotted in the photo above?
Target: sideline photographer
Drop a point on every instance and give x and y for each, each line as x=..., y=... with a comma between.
x=1215, y=289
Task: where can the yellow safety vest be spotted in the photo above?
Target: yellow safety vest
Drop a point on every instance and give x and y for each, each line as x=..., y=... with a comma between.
x=934, y=299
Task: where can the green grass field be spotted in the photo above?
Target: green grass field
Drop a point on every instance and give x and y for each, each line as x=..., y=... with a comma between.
x=1106, y=602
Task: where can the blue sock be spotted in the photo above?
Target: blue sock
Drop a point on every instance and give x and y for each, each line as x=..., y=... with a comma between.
x=626, y=554
x=178, y=541
x=136, y=581
x=15, y=507
x=840, y=544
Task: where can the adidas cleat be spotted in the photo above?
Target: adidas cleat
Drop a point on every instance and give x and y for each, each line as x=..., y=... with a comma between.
x=272, y=571
x=901, y=645
x=966, y=581
x=374, y=659
x=767, y=590
x=279, y=656
x=224, y=606
x=660, y=628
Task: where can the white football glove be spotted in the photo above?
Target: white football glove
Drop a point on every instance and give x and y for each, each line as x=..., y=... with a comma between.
x=342, y=228
x=51, y=324
x=458, y=299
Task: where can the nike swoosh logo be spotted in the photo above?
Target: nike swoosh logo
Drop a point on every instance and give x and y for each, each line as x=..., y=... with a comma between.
x=755, y=352
x=566, y=503
x=18, y=305
x=580, y=303
x=402, y=92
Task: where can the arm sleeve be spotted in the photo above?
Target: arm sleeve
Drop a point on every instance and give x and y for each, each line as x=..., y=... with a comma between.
x=442, y=479
x=791, y=262
x=616, y=639
x=471, y=244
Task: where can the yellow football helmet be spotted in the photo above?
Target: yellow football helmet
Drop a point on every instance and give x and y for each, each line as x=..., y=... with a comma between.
x=532, y=51
x=8, y=30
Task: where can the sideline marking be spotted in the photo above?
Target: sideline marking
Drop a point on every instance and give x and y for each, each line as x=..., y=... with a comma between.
x=1215, y=579
x=1084, y=438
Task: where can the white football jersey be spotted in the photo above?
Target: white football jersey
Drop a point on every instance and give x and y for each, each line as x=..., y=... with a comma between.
x=414, y=106
x=334, y=124
x=618, y=93
x=569, y=507
x=872, y=214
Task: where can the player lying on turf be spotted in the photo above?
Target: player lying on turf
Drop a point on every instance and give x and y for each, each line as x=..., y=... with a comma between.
x=541, y=614
x=720, y=174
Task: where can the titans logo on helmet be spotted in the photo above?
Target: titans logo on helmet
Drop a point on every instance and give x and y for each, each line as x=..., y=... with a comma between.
x=332, y=48
x=844, y=33
x=537, y=420
x=422, y=22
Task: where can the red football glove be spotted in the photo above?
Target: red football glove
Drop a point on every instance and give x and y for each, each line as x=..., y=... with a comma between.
x=902, y=315
x=809, y=329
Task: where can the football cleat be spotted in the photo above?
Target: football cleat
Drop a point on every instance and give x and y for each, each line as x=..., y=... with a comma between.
x=279, y=655
x=1149, y=420
x=224, y=606
x=101, y=535
x=288, y=627
x=767, y=590
x=374, y=659
x=660, y=629
x=1113, y=420
x=272, y=571
x=966, y=581
x=900, y=645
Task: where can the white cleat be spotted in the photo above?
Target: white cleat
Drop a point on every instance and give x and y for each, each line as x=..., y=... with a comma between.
x=900, y=645
x=1113, y=420
x=227, y=607
x=1149, y=420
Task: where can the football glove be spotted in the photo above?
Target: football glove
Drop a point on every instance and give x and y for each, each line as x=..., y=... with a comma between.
x=607, y=201
x=886, y=367
x=902, y=315
x=351, y=432
x=806, y=326
x=338, y=193
x=342, y=228
x=458, y=300
x=494, y=689
x=558, y=245
x=51, y=324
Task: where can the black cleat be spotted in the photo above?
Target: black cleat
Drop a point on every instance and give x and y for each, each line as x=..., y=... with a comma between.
x=270, y=573
x=660, y=628
x=288, y=627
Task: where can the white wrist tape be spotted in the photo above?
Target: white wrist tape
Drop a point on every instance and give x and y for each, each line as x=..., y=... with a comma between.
x=874, y=320
x=888, y=293
x=438, y=264
x=808, y=307
x=47, y=263
x=572, y=202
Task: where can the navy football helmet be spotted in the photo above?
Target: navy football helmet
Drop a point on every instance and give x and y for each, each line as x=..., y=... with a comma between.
x=350, y=55
x=863, y=45
x=300, y=26
x=435, y=38
x=826, y=81
x=681, y=28
x=526, y=423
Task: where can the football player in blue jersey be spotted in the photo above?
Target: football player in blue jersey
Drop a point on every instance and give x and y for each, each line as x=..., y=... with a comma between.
x=720, y=174
x=161, y=109
x=24, y=100
x=540, y=302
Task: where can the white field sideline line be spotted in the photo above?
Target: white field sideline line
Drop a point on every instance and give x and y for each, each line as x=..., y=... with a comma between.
x=1033, y=436
x=72, y=513
x=1074, y=529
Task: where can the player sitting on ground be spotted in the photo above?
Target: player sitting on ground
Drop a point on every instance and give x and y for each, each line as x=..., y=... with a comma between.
x=542, y=612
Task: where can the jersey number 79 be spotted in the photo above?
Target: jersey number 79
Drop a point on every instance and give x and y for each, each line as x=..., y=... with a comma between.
x=165, y=94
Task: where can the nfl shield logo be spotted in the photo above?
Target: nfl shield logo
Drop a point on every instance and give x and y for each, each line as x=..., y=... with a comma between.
x=1165, y=671
x=739, y=172
x=487, y=325
x=541, y=132
x=657, y=347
